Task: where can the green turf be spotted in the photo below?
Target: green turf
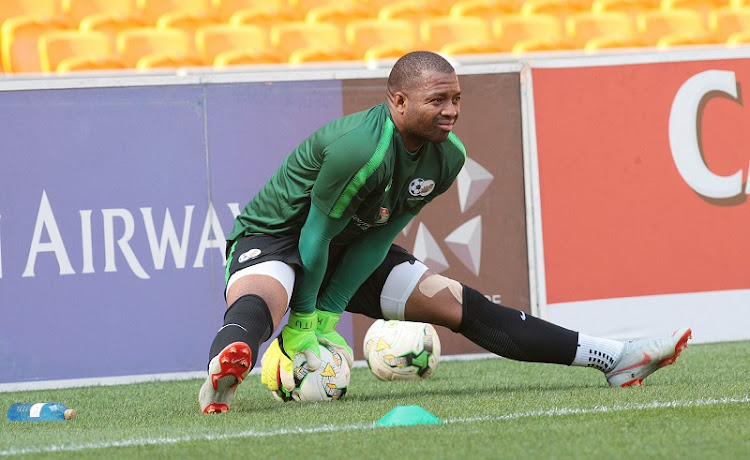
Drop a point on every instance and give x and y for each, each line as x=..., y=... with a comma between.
x=491, y=408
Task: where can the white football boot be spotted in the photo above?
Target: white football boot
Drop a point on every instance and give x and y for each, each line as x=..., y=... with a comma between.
x=225, y=372
x=641, y=358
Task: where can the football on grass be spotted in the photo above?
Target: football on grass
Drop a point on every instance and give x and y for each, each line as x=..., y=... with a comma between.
x=327, y=383
x=402, y=350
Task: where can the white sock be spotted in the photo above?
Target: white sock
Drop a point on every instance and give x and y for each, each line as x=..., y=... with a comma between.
x=595, y=352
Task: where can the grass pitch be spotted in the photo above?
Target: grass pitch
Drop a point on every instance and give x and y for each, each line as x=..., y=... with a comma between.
x=490, y=408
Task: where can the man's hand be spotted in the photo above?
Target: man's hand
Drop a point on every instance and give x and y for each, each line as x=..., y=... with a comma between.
x=298, y=336
x=276, y=370
x=328, y=336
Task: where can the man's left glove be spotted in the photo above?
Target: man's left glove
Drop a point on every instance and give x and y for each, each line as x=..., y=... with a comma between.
x=276, y=371
x=328, y=336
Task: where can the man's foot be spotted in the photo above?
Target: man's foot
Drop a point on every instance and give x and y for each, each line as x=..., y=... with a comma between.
x=641, y=358
x=225, y=371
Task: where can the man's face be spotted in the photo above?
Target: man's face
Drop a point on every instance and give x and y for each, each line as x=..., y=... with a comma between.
x=430, y=109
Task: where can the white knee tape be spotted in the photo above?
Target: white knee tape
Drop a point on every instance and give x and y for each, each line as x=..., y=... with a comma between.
x=276, y=269
x=397, y=288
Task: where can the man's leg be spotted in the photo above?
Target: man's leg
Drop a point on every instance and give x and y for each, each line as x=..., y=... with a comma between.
x=258, y=297
x=513, y=334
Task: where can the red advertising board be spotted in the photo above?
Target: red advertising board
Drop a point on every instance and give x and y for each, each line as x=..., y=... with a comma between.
x=642, y=173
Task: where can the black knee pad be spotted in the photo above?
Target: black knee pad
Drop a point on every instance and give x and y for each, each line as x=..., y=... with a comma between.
x=514, y=334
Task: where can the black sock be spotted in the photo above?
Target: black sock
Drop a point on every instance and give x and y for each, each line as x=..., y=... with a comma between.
x=246, y=320
x=513, y=334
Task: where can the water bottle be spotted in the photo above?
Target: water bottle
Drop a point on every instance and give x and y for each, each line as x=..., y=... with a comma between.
x=29, y=412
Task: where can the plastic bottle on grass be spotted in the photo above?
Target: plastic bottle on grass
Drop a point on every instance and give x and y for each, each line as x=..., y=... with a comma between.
x=29, y=412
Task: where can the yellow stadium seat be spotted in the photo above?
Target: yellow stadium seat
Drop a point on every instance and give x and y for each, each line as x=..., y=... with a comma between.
x=465, y=48
x=308, y=55
x=261, y=17
x=523, y=32
x=148, y=47
x=584, y=26
x=39, y=9
x=438, y=31
x=301, y=7
x=58, y=46
x=224, y=9
x=613, y=41
x=671, y=27
x=701, y=6
x=339, y=14
x=739, y=38
x=75, y=10
x=414, y=12
x=375, y=38
x=149, y=11
x=631, y=7
x=223, y=39
x=187, y=21
x=19, y=36
x=558, y=8
x=488, y=10
x=289, y=37
x=723, y=22
x=110, y=24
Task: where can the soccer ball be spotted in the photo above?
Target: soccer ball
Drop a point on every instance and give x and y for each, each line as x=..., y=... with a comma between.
x=327, y=383
x=402, y=350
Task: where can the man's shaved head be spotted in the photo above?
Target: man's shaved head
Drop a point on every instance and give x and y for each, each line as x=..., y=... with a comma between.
x=407, y=71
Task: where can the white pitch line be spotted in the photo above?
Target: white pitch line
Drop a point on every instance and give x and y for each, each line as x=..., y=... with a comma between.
x=140, y=442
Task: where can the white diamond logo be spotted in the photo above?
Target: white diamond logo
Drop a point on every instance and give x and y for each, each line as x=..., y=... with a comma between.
x=466, y=243
x=473, y=180
x=428, y=251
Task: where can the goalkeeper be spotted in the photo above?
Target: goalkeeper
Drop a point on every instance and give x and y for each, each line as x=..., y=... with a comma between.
x=317, y=239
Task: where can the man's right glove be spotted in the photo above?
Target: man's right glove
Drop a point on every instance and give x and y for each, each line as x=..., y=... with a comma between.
x=328, y=336
x=298, y=336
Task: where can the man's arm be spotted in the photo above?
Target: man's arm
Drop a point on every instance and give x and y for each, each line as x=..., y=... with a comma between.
x=315, y=239
x=358, y=262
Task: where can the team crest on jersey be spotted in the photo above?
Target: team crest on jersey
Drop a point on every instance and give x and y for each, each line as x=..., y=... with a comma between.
x=421, y=187
x=247, y=255
x=384, y=215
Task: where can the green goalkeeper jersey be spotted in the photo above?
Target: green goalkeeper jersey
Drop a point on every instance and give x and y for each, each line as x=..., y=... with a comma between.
x=354, y=168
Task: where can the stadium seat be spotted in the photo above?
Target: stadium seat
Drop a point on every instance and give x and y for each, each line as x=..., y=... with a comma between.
x=289, y=37
x=671, y=27
x=233, y=43
x=186, y=21
x=438, y=31
x=40, y=9
x=631, y=7
x=72, y=45
x=558, y=8
x=109, y=24
x=224, y=9
x=723, y=22
x=148, y=47
x=739, y=38
x=701, y=6
x=371, y=39
x=521, y=32
x=301, y=7
x=613, y=41
x=149, y=11
x=339, y=14
x=19, y=36
x=75, y=10
x=488, y=10
x=413, y=12
x=584, y=26
x=261, y=17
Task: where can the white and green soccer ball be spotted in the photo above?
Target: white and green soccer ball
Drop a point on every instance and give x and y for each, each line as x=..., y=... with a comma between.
x=327, y=383
x=402, y=350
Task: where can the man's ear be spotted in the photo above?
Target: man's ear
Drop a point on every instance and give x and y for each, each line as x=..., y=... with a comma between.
x=399, y=102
